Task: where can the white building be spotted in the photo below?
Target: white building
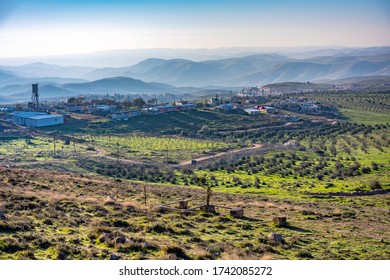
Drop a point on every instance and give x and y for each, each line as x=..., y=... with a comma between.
x=36, y=119
x=252, y=111
x=44, y=120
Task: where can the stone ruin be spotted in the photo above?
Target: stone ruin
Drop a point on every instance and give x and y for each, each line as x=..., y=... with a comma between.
x=280, y=221
x=237, y=212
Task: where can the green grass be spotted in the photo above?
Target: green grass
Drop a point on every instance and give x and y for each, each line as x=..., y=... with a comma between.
x=365, y=117
x=39, y=148
x=157, y=149
x=69, y=222
x=359, y=107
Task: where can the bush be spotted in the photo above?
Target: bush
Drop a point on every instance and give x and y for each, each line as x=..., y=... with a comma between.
x=179, y=252
x=11, y=245
x=366, y=170
x=13, y=226
x=304, y=255
x=120, y=223
x=375, y=185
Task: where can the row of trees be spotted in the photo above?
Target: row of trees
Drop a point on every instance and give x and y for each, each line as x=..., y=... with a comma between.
x=82, y=101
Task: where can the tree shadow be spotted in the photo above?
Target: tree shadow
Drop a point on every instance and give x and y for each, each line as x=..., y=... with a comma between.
x=297, y=229
x=249, y=219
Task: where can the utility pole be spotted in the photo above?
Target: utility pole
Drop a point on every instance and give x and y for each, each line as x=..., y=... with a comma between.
x=74, y=145
x=117, y=152
x=54, y=146
x=145, y=195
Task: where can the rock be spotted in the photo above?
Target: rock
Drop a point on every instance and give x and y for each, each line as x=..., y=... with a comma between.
x=280, y=221
x=114, y=257
x=2, y=216
x=120, y=240
x=237, y=212
x=105, y=237
x=275, y=237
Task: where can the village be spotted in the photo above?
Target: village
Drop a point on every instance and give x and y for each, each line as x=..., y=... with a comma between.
x=251, y=101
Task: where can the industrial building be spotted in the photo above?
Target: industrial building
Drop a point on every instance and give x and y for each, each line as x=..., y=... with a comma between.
x=36, y=119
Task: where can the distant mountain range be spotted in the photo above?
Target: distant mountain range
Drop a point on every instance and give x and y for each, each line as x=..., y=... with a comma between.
x=251, y=70
x=156, y=75
x=119, y=85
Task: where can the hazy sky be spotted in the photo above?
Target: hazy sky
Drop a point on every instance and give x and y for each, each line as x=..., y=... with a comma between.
x=43, y=27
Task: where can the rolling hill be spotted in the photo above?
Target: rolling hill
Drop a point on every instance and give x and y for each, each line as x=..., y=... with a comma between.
x=7, y=77
x=120, y=85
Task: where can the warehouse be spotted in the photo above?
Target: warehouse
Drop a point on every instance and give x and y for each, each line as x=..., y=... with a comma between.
x=44, y=120
x=36, y=119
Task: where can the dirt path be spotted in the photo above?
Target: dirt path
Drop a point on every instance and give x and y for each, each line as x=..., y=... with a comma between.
x=220, y=155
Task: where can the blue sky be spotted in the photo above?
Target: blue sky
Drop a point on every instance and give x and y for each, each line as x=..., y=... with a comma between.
x=43, y=27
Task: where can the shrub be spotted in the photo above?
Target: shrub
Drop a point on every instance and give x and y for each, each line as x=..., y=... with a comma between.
x=11, y=245
x=177, y=251
x=304, y=255
x=366, y=170
x=120, y=223
x=375, y=185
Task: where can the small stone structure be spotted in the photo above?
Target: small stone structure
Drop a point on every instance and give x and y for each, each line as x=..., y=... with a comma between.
x=207, y=208
x=275, y=237
x=182, y=207
x=183, y=204
x=280, y=221
x=237, y=212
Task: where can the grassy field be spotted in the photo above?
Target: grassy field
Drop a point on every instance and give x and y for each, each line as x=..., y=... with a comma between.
x=159, y=149
x=38, y=148
x=50, y=219
x=365, y=117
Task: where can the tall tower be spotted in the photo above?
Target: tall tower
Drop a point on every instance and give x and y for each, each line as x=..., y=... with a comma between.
x=35, y=96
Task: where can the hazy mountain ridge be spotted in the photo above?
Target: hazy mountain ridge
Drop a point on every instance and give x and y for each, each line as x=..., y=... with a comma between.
x=41, y=70
x=127, y=57
x=156, y=75
x=119, y=85
x=250, y=70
